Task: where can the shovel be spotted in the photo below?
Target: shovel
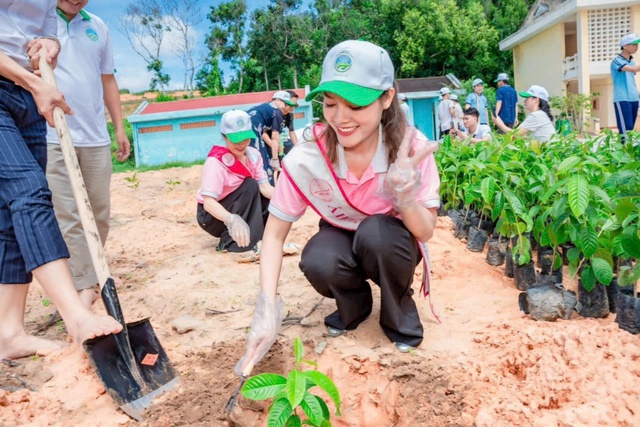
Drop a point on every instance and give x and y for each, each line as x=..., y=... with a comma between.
x=132, y=364
x=231, y=403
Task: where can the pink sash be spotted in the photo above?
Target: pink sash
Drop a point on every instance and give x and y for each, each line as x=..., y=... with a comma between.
x=229, y=160
x=315, y=180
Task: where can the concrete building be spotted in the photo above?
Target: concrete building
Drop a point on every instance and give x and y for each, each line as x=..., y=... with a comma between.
x=567, y=46
x=185, y=130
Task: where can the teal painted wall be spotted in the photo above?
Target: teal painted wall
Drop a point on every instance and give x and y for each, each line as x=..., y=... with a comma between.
x=174, y=142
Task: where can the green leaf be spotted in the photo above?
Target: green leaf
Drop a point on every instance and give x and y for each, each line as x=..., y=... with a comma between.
x=298, y=349
x=602, y=270
x=553, y=189
x=293, y=421
x=296, y=387
x=624, y=208
x=309, y=362
x=588, y=279
x=567, y=164
x=312, y=408
x=578, y=194
x=279, y=413
x=325, y=409
x=573, y=255
x=325, y=383
x=263, y=386
x=588, y=241
x=630, y=242
x=488, y=189
x=629, y=276
x=515, y=202
x=605, y=254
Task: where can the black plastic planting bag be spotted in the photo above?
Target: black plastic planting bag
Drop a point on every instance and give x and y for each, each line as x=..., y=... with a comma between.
x=594, y=303
x=524, y=275
x=495, y=255
x=628, y=312
x=477, y=239
x=462, y=229
x=508, y=264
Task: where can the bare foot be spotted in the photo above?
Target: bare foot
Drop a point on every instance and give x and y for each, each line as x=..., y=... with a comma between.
x=88, y=296
x=23, y=345
x=92, y=326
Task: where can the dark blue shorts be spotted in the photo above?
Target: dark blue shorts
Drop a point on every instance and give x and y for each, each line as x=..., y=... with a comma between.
x=29, y=233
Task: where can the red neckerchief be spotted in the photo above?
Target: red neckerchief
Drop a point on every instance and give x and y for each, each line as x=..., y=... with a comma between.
x=229, y=160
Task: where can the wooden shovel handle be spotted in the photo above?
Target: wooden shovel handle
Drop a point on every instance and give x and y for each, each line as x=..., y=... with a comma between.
x=75, y=176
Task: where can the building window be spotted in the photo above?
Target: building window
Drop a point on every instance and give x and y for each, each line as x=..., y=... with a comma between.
x=299, y=115
x=606, y=28
x=197, y=125
x=154, y=129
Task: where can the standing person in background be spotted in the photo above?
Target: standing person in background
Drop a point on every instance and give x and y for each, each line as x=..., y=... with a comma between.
x=506, y=102
x=625, y=91
x=404, y=106
x=479, y=101
x=446, y=112
x=288, y=123
x=31, y=243
x=86, y=46
x=266, y=120
x=457, y=120
x=538, y=124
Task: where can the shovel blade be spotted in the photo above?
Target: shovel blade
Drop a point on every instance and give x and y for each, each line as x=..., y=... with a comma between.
x=132, y=391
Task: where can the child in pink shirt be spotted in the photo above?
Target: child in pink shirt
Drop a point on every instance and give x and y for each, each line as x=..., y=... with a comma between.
x=235, y=191
x=374, y=182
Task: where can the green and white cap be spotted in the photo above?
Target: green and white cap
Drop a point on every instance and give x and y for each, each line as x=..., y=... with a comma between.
x=357, y=71
x=236, y=126
x=630, y=39
x=285, y=97
x=537, y=92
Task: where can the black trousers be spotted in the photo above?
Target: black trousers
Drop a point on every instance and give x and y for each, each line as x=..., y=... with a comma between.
x=338, y=262
x=246, y=202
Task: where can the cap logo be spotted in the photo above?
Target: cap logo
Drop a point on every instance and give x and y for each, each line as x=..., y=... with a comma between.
x=343, y=62
x=240, y=123
x=92, y=34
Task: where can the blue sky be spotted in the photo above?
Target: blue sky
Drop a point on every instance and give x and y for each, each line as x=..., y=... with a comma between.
x=132, y=71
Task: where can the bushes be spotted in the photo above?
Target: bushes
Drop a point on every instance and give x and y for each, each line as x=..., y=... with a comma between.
x=565, y=192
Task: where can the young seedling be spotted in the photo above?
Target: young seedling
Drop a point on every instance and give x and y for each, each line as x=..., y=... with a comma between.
x=292, y=399
x=172, y=183
x=133, y=180
x=46, y=302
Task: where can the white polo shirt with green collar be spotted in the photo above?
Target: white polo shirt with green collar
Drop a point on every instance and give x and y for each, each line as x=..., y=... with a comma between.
x=85, y=56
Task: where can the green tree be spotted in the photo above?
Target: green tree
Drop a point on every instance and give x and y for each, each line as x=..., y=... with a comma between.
x=228, y=32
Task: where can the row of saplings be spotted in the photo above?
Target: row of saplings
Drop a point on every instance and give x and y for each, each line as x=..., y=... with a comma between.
x=569, y=201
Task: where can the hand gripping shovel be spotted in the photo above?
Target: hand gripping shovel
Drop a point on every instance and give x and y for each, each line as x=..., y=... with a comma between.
x=132, y=364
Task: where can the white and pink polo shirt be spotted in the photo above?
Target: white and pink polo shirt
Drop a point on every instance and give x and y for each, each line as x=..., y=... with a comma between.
x=366, y=193
x=218, y=181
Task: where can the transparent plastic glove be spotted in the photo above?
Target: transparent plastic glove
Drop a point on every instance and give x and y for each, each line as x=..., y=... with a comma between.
x=267, y=319
x=238, y=230
x=275, y=164
x=403, y=179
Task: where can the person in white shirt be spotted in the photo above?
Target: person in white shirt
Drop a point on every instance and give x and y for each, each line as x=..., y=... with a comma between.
x=475, y=132
x=404, y=106
x=446, y=112
x=31, y=244
x=459, y=114
x=538, y=124
x=85, y=74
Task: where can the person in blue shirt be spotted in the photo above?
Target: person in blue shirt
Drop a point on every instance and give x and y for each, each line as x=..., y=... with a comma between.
x=267, y=120
x=506, y=102
x=625, y=91
x=478, y=101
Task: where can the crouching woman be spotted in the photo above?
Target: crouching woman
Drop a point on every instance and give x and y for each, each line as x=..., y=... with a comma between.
x=234, y=197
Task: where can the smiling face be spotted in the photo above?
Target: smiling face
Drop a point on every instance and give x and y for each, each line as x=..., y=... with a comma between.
x=478, y=88
x=531, y=104
x=355, y=125
x=239, y=149
x=71, y=8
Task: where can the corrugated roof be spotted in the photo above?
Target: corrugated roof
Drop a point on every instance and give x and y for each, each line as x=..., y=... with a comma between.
x=213, y=102
x=424, y=84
